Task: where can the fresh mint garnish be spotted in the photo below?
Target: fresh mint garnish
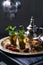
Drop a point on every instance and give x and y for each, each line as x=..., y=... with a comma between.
x=21, y=33
x=11, y=30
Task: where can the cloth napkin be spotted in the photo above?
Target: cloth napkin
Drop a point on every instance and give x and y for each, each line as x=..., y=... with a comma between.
x=35, y=60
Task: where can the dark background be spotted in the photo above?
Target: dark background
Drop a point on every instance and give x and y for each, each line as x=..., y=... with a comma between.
x=28, y=8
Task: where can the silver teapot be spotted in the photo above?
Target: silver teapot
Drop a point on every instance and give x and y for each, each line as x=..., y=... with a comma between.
x=32, y=28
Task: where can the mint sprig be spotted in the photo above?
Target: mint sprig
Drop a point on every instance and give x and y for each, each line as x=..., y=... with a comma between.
x=11, y=30
x=21, y=33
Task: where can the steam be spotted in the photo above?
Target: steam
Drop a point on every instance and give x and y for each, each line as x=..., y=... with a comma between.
x=11, y=8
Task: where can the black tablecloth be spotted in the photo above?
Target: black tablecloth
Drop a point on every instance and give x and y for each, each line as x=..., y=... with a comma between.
x=29, y=60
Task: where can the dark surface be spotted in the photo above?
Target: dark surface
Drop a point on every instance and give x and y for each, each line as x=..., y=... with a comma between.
x=4, y=60
x=21, y=60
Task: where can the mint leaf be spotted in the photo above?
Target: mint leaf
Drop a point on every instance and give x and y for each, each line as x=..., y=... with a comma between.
x=11, y=30
x=21, y=33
